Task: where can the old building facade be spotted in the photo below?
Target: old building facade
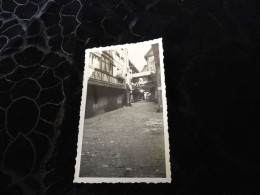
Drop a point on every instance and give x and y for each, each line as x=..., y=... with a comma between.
x=135, y=93
x=148, y=81
x=145, y=81
x=158, y=89
x=108, y=81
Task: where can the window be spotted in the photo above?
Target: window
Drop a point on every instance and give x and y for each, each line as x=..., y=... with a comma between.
x=150, y=58
x=94, y=61
x=103, y=65
x=117, y=56
x=106, y=65
x=151, y=63
x=90, y=60
x=111, y=68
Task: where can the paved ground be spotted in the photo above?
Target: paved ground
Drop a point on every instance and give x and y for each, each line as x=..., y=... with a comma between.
x=127, y=142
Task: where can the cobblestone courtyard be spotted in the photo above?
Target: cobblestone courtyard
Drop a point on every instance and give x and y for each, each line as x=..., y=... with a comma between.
x=127, y=142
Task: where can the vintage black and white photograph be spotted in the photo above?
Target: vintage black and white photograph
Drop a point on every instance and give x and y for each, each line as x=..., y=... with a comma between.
x=123, y=131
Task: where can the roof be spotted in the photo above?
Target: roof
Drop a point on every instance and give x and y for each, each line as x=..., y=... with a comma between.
x=145, y=68
x=149, y=53
x=132, y=66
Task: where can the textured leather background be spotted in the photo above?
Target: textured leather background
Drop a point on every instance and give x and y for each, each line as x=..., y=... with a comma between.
x=212, y=77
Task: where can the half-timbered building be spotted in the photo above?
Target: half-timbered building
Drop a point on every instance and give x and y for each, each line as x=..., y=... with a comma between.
x=108, y=81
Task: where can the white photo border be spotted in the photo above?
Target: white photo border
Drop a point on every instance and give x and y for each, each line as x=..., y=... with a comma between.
x=168, y=178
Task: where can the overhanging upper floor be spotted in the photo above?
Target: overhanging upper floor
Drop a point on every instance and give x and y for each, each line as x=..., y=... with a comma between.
x=101, y=78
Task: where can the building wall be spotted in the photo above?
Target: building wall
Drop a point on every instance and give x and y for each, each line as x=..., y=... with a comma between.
x=108, y=80
x=103, y=99
x=120, y=61
x=151, y=79
x=158, y=76
x=114, y=62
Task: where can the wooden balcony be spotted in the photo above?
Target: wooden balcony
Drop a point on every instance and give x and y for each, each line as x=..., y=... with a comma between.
x=104, y=79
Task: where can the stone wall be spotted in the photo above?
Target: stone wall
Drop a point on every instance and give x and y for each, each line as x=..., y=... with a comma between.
x=103, y=99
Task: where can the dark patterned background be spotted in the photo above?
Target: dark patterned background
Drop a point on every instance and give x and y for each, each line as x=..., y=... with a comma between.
x=212, y=76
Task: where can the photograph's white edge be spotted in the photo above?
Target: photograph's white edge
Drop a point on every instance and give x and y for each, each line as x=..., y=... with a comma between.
x=167, y=179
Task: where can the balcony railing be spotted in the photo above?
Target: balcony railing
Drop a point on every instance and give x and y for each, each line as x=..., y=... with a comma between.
x=107, y=79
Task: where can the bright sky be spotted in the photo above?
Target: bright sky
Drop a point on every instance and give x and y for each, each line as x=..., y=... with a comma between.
x=136, y=54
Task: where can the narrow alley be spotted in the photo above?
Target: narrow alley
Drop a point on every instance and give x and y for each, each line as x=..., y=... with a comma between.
x=127, y=142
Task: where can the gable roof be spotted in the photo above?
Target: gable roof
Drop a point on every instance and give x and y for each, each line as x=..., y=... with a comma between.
x=132, y=66
x=145, y=68
x=149, y=53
